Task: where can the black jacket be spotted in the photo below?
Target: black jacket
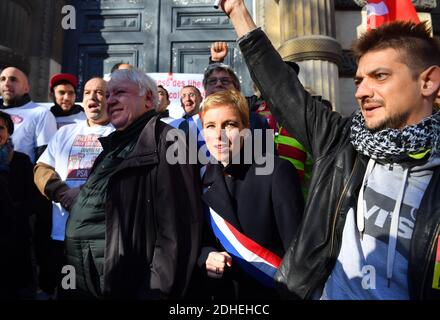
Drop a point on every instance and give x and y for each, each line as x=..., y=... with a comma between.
x=337, y=175
x=19, y=198
x=153, y=221
x=57, y=111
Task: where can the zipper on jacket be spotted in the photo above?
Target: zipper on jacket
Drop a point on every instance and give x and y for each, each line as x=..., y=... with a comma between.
x=344, y=192
x=426, y=268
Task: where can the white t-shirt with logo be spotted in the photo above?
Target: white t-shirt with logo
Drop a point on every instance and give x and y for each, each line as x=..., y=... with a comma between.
x=360, y=272
x=72, y=152
x=34, y=126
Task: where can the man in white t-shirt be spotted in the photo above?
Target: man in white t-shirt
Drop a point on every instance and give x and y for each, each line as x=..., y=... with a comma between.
x=66, y=163
x=33, y=125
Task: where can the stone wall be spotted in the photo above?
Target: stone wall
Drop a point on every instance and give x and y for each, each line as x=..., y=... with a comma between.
x=32, y=40
x=275, y=17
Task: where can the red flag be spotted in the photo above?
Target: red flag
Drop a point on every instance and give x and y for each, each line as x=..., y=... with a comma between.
x=383, y=11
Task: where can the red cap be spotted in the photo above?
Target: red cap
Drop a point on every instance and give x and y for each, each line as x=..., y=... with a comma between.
x=59, y=77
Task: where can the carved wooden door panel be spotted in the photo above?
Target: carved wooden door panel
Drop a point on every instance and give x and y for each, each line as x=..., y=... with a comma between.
x=156, y=36
x=187, y=29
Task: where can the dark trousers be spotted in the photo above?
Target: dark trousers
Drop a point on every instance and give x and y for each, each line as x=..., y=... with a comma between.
x=50, y=256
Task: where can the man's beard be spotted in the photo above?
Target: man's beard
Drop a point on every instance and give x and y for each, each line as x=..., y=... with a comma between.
x=95, y=116
x=11, y=101
x=395, y=121
x=16, y=101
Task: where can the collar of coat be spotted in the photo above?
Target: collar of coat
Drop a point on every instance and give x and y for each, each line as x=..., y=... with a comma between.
x=123, y=137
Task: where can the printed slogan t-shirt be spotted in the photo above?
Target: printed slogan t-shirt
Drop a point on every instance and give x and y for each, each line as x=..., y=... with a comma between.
x=72, y=152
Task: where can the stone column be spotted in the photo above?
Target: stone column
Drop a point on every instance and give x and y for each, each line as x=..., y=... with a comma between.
x=307, y=36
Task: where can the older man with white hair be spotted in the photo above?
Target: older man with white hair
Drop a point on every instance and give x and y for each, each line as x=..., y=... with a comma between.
x=133, y=233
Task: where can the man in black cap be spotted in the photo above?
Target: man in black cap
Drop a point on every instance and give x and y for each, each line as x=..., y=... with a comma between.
x=63, y=93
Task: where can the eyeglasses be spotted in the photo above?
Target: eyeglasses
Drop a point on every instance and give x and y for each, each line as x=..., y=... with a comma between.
x=225, y=81
x=190, y=95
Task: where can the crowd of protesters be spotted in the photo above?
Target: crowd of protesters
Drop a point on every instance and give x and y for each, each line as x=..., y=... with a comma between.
x=287, y=199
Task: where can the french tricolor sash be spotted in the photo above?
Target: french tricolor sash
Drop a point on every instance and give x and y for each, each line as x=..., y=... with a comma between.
x=254, y=259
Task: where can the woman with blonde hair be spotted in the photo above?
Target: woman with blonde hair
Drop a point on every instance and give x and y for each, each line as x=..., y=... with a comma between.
x=252, y=214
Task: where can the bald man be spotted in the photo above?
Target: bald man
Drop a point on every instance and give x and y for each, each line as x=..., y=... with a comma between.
x=64, y=167
x=121, y=66
x=33, y=125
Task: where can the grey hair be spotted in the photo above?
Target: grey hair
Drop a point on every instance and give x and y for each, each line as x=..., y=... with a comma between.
x=144, y=82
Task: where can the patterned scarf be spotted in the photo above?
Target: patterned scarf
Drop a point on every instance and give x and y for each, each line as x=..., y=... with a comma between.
x=395, y=145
